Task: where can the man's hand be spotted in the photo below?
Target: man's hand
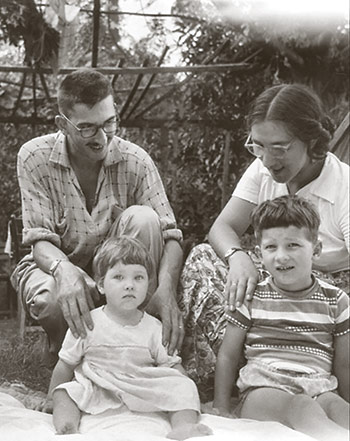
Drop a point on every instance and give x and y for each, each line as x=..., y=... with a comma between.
x=242, y=278
x=163, y=304
x=76, y=295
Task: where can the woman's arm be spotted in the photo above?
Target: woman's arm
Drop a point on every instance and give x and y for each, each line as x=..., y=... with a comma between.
x=225, y=233
x=226, y=367
x=341, y=364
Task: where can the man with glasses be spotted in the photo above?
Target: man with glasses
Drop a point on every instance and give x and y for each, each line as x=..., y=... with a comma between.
x=78, y=187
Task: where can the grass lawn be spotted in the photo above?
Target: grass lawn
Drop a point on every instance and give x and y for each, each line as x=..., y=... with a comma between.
x=21, y=360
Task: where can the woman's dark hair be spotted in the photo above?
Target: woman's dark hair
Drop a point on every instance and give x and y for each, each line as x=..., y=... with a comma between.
x=83, y=86
x=300, y=110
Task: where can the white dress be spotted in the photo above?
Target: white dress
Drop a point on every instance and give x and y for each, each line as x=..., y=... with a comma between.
x=125, y=365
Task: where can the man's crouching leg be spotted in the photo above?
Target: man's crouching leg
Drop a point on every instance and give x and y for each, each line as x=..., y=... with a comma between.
x=39, y=298
x=142, y=222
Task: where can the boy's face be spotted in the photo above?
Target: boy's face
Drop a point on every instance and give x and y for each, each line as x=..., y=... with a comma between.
x=288, y=254
x=125, y=286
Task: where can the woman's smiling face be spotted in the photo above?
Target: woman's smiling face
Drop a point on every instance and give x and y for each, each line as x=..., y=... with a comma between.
x=294, y=165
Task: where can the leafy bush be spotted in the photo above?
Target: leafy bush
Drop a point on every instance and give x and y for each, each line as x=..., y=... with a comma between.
x=192, y=160
x=13, y=136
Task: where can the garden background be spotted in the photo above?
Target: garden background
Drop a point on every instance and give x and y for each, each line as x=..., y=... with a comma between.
x=191, y=120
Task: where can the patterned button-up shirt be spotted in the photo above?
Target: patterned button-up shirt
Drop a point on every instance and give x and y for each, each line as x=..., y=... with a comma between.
x=54, y=206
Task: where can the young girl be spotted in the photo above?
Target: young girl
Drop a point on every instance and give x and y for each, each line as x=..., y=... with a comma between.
x=122, y=361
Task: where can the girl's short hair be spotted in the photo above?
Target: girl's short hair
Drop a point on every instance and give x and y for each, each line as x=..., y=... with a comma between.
x=83, y=86
x=286, y=211
x=124, y=249
x=300, y=110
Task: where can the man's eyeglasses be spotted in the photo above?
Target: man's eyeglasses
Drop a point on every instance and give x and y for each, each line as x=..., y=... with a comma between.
x=109, y=127
x=277, y=151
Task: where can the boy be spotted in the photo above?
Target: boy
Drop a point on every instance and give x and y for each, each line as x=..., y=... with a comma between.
x=295, y=332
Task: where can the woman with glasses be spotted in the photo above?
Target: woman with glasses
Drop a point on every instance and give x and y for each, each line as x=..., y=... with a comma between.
x=289, y=135
x=78, y=187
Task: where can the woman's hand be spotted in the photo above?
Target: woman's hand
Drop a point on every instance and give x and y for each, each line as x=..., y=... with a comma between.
x=242, y=278
x=225, y=233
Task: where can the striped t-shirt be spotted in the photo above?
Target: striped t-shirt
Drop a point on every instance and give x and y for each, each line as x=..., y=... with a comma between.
x=296, y=328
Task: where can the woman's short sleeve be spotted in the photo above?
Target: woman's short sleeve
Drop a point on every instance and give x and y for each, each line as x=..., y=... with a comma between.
x=249, y=186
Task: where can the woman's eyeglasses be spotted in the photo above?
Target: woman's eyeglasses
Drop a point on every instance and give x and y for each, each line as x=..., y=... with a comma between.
x=277, y=151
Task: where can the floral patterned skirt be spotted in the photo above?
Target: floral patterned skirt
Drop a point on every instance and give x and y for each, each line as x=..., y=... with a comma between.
x=202, y=300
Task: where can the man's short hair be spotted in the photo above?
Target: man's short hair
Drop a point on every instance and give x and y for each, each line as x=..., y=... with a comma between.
x=286, y=211
x=125, y=250
x=83, y=86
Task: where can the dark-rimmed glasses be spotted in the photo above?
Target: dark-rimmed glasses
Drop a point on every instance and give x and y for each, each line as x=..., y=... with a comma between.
x=277, y=151
x=109, y=127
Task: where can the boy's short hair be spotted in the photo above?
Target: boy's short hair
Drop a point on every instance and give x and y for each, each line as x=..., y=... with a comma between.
x=124, y=249
x=83, y=86
x=286, y=211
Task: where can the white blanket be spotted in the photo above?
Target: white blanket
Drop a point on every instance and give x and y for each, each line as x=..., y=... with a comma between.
x=18, y=423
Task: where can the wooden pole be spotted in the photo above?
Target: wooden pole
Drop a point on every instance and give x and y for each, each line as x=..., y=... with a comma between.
x=148, y=85
x=225, y=177
x=133, y=90
x=206, y=60
x=20, y=93
x=95, y=33
x=175, y=150
x=164, y=147
x=152, y=123
x=235, y=67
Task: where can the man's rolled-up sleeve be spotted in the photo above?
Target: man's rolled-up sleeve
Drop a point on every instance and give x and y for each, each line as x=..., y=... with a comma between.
x=37, y=207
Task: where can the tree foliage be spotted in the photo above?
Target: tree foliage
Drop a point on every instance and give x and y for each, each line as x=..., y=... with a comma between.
x=291, y=54
x=22, y=22
x=192, y=159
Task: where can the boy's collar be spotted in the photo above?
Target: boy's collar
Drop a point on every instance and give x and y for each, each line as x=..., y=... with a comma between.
x=295, y=294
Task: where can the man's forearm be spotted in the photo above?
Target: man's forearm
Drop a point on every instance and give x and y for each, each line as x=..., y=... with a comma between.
x=45, y=253
x=170, y=264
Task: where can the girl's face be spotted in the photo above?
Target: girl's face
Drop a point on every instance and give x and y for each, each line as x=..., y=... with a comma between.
x=293, y=166
x=125, y=286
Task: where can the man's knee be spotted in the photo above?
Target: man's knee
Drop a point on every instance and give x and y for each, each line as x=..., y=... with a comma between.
x=38, y=295
x=141, y=216
x=43, y=306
